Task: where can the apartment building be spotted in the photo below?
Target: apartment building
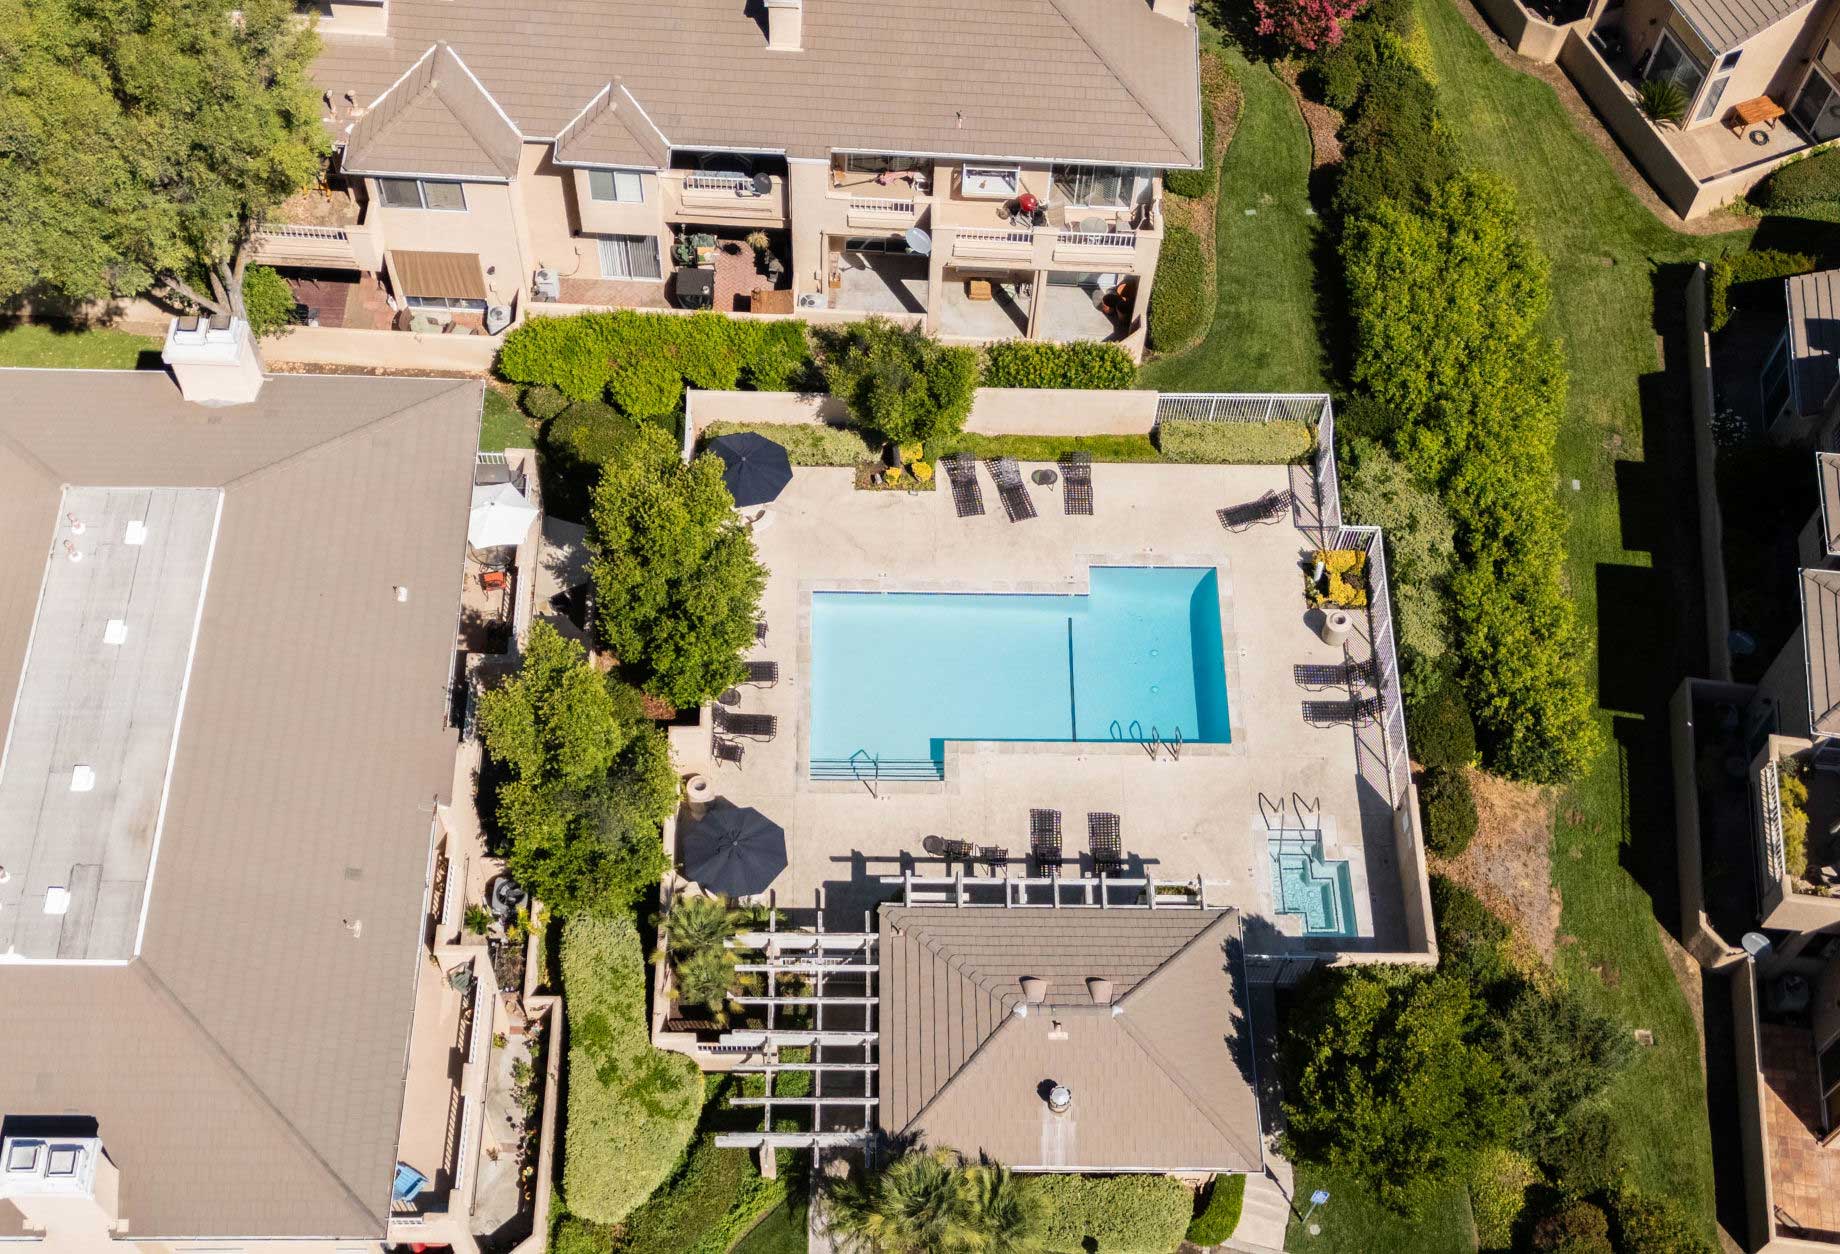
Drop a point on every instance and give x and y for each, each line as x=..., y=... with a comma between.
x=985, y=171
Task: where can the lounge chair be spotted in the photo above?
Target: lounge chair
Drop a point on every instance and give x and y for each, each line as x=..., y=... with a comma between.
x=992, y=856
x=754, y=726
x=1328, y=713
x=1076, y=483
x=1105, y=843
x=1267, y=509
x=760, y=631
x=1045, y=837
x=1340, y=675
x=951, y=850
x=1010, y=488
x=766, y=674
x=729, y=750
x=961, y=473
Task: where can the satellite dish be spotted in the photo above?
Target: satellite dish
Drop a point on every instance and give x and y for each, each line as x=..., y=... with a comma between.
x=918, y=241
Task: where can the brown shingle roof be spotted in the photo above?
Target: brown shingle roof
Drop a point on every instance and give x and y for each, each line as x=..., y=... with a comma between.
x=613, y=130
x=1085, y=80
x=1157, y=1075
x=246, y=1070
x=435, y=119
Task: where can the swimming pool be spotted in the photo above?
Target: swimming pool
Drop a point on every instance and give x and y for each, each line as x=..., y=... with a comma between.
x=1303, y=882
x=894, y=675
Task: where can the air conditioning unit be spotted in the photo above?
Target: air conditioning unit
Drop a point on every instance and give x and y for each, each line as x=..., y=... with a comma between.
x=547, y=285
x=498, y=317
x=811, y=300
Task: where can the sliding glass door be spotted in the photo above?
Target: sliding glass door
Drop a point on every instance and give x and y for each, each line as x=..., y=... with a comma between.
x=1671, y=62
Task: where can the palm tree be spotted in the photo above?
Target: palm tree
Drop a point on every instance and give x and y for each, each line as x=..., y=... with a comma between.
x=913, y=1205
x=698, y=923
x=1005, y=1212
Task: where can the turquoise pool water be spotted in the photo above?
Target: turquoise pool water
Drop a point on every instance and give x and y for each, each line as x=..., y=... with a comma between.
x=894, y=675
x=1303, y=882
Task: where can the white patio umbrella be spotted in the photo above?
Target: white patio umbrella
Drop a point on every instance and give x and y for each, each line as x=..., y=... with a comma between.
x=500, y=516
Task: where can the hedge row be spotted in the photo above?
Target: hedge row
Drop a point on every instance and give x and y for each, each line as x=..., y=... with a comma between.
x=1178, y=302
x=1236, y=443
x=1219, y=1214
x=1767, y=263
x=806, y=443
x=1810, y=181
x=1114, y=1214
x=1034, y=364
x=1194, y=184
x=631, y=1108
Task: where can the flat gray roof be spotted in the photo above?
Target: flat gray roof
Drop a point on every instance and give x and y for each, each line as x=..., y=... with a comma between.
x=95, y=718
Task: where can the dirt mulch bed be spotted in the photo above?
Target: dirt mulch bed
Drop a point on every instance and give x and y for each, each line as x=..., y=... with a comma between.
x=369, y=372
x=1509, y=863
x=1322, y=121
x=1222, y=94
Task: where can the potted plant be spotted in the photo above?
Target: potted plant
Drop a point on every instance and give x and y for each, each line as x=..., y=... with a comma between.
x=683, y=252
x=758, y=241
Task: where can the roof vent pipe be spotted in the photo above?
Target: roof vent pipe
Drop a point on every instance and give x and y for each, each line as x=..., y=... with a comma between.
x=785, y=25
x=1034, y=990
x=1060, y=1099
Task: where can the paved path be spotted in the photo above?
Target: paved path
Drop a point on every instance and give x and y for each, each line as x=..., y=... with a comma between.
x=1266, y=1212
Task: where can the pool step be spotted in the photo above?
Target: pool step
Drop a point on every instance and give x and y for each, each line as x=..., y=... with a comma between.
x=875, y=772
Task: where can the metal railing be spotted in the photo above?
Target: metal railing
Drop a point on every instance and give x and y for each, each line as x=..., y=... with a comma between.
x=1769, y=788
x=721, y=181
x=994, y=238
x=1243, y=407
x=871, y=204
x=1386, y=655
x=292, y=230
x=1098, y=239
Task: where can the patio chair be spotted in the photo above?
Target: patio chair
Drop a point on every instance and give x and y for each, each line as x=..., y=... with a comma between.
x=993, y=856
x=760, y=632
x=1076, y=483
x=1105, y=843
x=1010, y=488
x=1327, y=713
x=730, y=751
x=951, y=850
x=1342, y=674
x=1267, y=509
x=765, y=674
x=1045, y=837
x=961, y=473
x=753, y=726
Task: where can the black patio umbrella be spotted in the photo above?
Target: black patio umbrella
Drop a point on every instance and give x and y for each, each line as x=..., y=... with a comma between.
x=735, y=850
x=757, y=469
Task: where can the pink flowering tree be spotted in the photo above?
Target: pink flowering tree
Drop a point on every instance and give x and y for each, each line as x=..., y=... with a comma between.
x=1306, y=24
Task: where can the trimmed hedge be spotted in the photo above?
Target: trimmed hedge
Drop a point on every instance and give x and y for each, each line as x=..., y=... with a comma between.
x=631, y=1108
x=1220, y=1212
x=1439, y=728
x=1806, y=182
x=1194, y=184
x=1449, y=808
x=1236, y=443
x=1036, y=364
x=1116, y=1214
x=1766, y=263
x=1395, y=145
x=704, y=1208
x=1047, y=448
x=576, y=445
x=642, y=361
x=1472, y=939
x=898, y=382
x=1178, y=301
x=1498, y=1194
x=1651, y=1225
x=806, y=443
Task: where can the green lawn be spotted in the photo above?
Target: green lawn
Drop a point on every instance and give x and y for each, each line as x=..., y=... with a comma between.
x=37, y=344
x=1611, y=258
x=1265, y=336
x=504, y=424
x=1353, y=1224
x=781, y=1232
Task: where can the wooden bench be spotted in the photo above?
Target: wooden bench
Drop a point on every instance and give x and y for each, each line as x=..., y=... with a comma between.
x=1753, y=112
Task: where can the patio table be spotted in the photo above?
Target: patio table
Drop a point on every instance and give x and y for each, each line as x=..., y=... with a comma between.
x=1758, y=109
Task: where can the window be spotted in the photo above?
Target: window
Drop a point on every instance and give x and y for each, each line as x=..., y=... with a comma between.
x=993, y=181
x=877, y=163
x=422, y=194
x=1729, y=61
x=620, y=186
x=1101, y=186
x=875, y=244
x=1670, y=61
x=629, y=257
x=1773, y=381
x=453, y=304
x=1817, y=109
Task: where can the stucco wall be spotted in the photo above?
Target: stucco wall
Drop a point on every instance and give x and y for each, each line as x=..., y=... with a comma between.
x=1711, y=525
x=1748, y=1049
x=1520, y=30
x=488, y=227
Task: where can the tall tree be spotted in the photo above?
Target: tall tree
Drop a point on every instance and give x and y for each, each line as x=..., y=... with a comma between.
x=143, y=141
x=676, y=584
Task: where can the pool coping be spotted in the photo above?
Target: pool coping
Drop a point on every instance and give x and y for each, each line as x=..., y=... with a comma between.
x=1075, y=584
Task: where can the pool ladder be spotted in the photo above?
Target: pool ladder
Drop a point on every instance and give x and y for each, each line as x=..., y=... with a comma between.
x=1152, y=743
x=1309, y=813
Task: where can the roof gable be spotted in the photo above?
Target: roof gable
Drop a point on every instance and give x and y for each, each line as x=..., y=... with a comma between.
x=613, y=131
x=436, y=119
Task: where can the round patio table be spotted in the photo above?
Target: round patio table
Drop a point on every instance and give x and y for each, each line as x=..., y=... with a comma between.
x=934, y=845
x=731, y=697
x=1044, y=476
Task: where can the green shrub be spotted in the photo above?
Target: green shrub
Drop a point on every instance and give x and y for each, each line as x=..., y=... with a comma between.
x=576, y=446
x=543, y=403
x=1342, y=71
x=898, y=382
x=1792, y=794
x=1498, y=1194
x=711, y=1201
x=1579, y=1228
x=1236, y=443
x=1195, y=184
x=1219, y=1214
x=1747, y=267
x=1559, y=1054
x=1047, y=448
x=1378, y=491
x=1395, y=146
x=631, y=1108
x=1439, y=728
x=1584, y=1157
x=1472, y=939
x=268, y=301
x=806, y=443
x=1115, y=1214
x=1449, y=808
x=1809, y=181
x=1039, y=364
x=1651, y=1225
x=778, y=357
x=1663, y=99
x=1179, y=309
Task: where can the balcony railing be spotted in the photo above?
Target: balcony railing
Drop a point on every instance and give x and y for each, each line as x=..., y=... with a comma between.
x=726, y=182
x=977, y=243
x=876, y=211
x=719, y=195
x=1769, y=790
x=288, y=243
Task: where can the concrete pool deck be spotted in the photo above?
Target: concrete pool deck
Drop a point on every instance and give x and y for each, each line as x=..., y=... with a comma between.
x=1207, y=814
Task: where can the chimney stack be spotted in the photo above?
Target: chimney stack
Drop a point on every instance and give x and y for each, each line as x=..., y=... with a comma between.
x=786, y=21
x=214, y=359
x=1177, y=10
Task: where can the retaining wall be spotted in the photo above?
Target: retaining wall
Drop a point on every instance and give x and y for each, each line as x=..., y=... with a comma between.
x=1529, y=36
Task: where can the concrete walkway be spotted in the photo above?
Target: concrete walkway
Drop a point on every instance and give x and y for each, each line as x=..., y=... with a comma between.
x=1266, y=1212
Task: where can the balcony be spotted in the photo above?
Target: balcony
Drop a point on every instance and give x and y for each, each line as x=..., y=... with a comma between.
x=883, y=213
x=724, y=198
x=975, y=244
x=319, y=228
x=1797, y=891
